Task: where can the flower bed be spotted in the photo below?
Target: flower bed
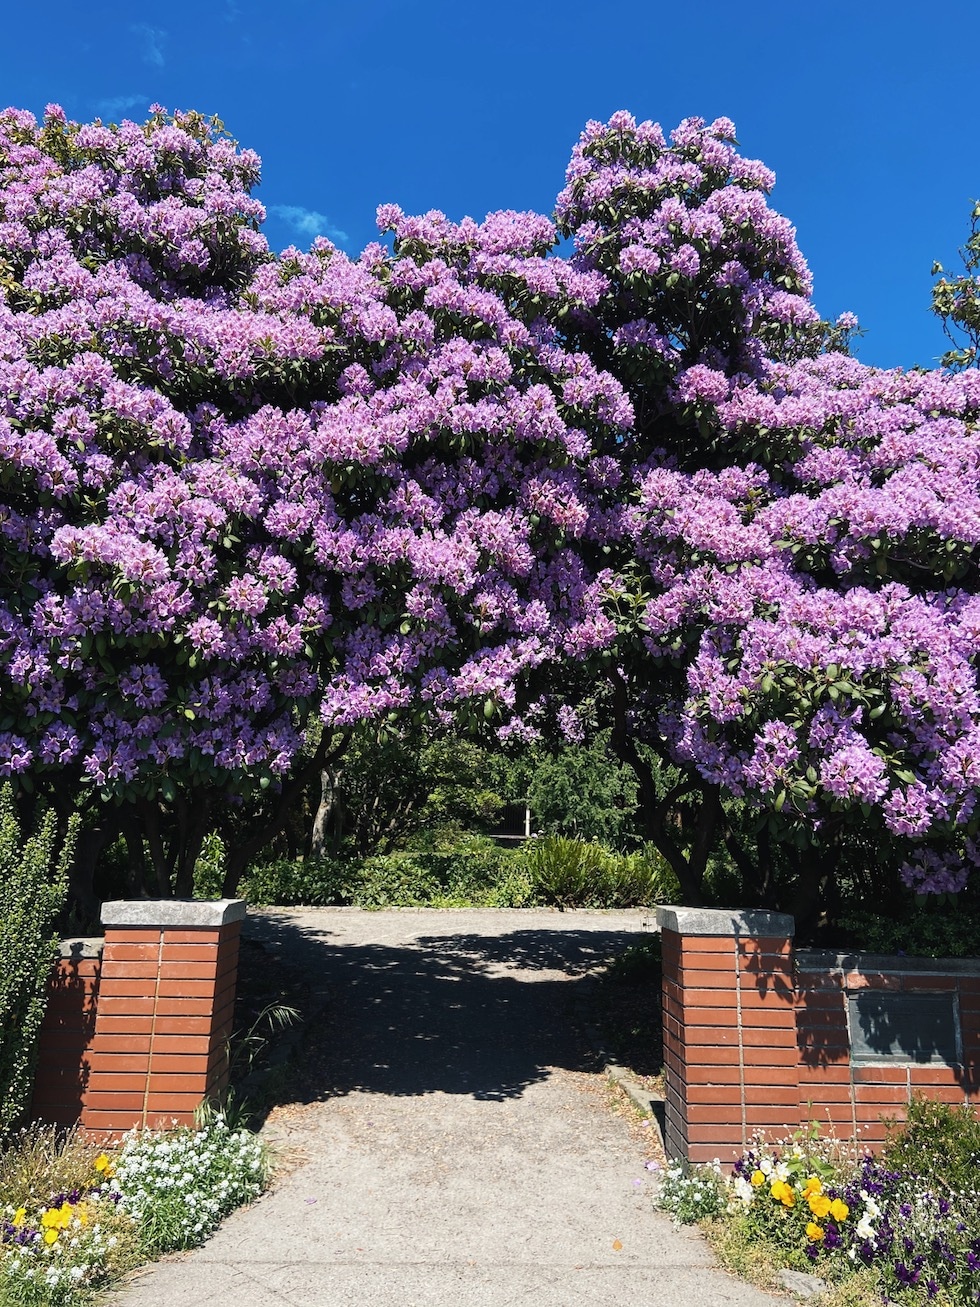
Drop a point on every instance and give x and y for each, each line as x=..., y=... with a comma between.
x=73, y=1219
x=901, y=1228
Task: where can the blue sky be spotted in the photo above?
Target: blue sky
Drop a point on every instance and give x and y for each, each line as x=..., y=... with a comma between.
x=865, y=110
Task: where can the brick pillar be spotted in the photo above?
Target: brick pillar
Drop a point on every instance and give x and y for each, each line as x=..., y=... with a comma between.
x=730, y=1050
x=165, y=1009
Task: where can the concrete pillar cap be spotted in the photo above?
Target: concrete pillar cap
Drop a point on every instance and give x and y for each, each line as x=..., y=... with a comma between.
x=153, y=913
x=725, y=922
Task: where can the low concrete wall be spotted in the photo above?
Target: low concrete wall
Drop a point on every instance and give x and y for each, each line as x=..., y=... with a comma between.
x=762, y=1038
x=137, y=1024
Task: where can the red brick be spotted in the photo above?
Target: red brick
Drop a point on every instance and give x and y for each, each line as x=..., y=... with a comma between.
x=182, y=1025
x=182, y=1043
x=190, y=953
x=761, y=1074
x=172, y=1103
x=710, y=1016
x=171, y=1083
x=106, y=1062
x=717, y=1074
x=124, y=1042
x=715, y=978
x=131, y=1101
x=177, y=1005
x=122, y=1023
x=112, y=1005
x=146, y=951
x=107, y=1082
x=825, y=1093
x=177, y=986
x=880, y=1075
x=712, y=1055
x=880, y=1094
x=710, y=1114
x=143, y=968
x=131, y=935
x=200, y=935
x=708, y=960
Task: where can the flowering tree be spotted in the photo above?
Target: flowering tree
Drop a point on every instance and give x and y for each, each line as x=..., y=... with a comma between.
x=795, y=574
x=238, y=490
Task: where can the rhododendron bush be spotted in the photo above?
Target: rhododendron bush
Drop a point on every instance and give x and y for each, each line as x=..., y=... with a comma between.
x=458, y=478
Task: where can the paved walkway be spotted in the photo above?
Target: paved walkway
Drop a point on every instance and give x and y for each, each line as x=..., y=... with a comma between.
x=458, y=1149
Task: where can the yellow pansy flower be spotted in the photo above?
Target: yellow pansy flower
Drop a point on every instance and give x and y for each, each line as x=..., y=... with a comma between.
x=814, y=1232
x=812, y=1186
x=783, y=1193
x=839, y=1210
x=103, y=1164
x=20, y=1216
x=50, y=1236
x=820, y=1205
x=758, y=1178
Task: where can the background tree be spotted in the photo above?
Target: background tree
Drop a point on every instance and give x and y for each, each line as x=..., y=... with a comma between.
x=957, y=301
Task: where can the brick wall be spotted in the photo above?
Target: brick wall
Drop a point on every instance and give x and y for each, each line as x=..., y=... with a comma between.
x=136, y=1033
x=67, y=1033
x=759, y=1039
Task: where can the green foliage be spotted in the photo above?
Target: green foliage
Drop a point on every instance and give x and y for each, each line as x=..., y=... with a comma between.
x=320, y=882
x=242, y=1051
x=938, y=1142
x=209, y=870
x=394, y=781
x=33, y=888
x=472, y=872
x=938, y=931
x=641, y=963
x=579, y=791
x=573, y=874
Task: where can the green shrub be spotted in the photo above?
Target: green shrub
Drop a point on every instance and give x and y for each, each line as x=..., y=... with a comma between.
x=574, y=874
x=209, y=869
x=938, y=1142
x=315, y=883
x=473, y=871
x=942, y=931
x=564, y=873
x=33, y=889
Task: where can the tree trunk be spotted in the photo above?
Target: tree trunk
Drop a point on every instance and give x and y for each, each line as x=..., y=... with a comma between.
x=328, y=820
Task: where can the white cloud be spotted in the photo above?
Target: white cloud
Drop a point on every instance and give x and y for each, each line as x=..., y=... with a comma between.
x=118, y=105
x=153, y=39
x=309, y=223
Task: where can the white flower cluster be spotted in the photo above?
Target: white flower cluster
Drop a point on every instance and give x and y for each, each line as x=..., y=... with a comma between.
x=691, y=1194
x=177, y=1186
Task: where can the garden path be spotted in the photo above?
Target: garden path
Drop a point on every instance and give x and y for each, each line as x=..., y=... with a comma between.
x=455, y=1145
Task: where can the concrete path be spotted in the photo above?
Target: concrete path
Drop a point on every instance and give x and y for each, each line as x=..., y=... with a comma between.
x=457, y=1148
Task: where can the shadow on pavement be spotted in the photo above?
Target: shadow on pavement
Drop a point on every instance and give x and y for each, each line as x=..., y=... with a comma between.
x=479, y=1015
